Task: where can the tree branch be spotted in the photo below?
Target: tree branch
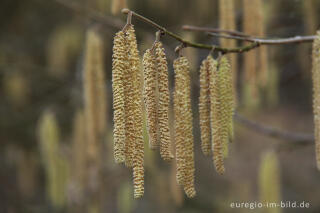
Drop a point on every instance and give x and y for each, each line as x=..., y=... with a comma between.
x=273, y=132
x=214, y=30
x=237, y=35
x=189, y=43
x=261, y=41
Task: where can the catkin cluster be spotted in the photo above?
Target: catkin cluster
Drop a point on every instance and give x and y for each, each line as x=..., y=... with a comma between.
x=183, y=126
x=156, y=98
x=127, y=103
x=216, y=103
x=316, y=94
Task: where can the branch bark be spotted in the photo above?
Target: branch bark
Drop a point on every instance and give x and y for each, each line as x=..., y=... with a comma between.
x=237, y=35
x=262, y=41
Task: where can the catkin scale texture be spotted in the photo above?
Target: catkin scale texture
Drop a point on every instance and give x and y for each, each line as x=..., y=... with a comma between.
x=183, y=126
x=316, y=95
x=119, y=66
x=150, y=97
x=164, y=101
x=204, y=104
x=215, y=119
x=129, y=107
x=138, y=150
x=226, y=96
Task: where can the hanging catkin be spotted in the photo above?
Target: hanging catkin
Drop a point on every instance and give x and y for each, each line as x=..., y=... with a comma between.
x=138, y=146
x=117, y=6
x=94, y=94
x=79, y=155
x=269, y=180
x=216, y=120
x=316, y=94
x=119, y=66
x=183, y=126
x=204, y=104
x=129, y=91
x=150, y=96
x=164, y=101
x=226, y=103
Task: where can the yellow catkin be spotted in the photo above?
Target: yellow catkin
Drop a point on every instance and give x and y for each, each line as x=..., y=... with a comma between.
x=79, y=146
x=316, y=94
x=138, y=146
x=93, y=84
x=63, y=47
x=150, y=96
x=228, y=22
x=55, y=164
x=310, y=15
x=204, y=104
x=179, y=122
x=226, y=94
x=269, y=180
x=183, y=126
x=119, y=65
x=164, y=101
x=117, y=6
x=215, y=120
x=129, y=107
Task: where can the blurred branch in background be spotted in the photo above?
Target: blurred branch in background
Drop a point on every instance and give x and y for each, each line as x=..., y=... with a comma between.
x=270, y=131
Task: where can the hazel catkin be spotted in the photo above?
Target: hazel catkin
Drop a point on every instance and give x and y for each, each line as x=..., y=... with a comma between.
x=204, y=104
x=183, y=126
x=129, y=91
x=316, y=94
x=150, y=96
x=216, y=120
x=227, y=100
x=164, y=101
x=138, y=145
x=119, y=59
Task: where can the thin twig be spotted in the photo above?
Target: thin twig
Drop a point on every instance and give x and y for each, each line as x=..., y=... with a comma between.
x=189, y=43
x=237, y=35
x=295, y=39
x=273, y=132
x=214, y=30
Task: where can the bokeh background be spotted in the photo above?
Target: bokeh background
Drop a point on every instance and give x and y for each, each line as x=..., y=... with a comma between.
x=43, y=129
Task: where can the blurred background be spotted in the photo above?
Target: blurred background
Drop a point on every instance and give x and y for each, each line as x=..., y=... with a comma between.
x=53, y=160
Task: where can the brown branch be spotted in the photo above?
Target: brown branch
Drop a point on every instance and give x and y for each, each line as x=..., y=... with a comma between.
x=214, y=30
x=273, y=132
x=262, y=41
x=189, y=43
x=237, y=35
